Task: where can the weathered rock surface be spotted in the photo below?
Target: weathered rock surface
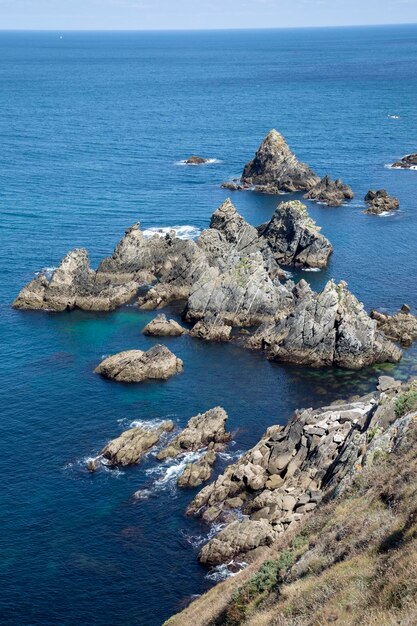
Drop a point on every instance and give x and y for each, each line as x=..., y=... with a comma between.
x=201, y=431
x=380, y=202
x=162, y=327
x=135, y=365
x=276, y=169
x=196, y=160
x=330, y=192
x=329, y=328
x=402, y=326
x=407, y=162
x=197, y=473
x=294, y=238
x=131, y=445
x=75, y=285
x=211, y=329
x=291, y=469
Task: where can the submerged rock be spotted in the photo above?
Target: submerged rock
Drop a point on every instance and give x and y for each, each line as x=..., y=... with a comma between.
x=380, y=202
x=330, y=192
x=294, y=238
x=131, y=445
x=202, y=430
x=325, y=329
x=407, y=162
x=135, y=365
x=402, y=326
x=276, y=169
x=162, y=327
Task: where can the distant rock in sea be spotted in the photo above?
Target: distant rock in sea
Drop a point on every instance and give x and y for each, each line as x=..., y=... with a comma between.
x=196, y=160
x=130, y=366
x=380, y=202
x=401, y=327
x=408, y=162
x=275, y=169
x=160, y=326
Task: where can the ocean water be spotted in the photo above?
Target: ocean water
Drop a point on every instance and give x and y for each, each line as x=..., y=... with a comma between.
x=93, y=130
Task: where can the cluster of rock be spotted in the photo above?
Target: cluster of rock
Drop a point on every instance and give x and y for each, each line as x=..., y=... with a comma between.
x=407, y=162
x=401, y=327
x=288, y=472
x=229, y=278
x=380, y=202
x=157, y=363
x=275, y=169
x=205, y=431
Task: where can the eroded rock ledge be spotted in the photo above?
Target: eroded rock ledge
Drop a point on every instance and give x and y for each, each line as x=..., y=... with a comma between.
x=292, y=468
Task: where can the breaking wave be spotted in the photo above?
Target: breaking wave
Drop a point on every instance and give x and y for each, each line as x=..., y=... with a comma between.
x=182, y=232
x=221, y=572
x=207, y=162
x=46, y=271
x=311, y=269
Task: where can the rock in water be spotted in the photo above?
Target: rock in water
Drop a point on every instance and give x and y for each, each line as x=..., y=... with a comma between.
x=276, y=169
x=201, y=430
x=408, y=162
x=325, y=329
x=402, y=326
x=135, y=365
x=380, y=202
x=330, y=192
x=196, y=160
x=162, y=327
x=197, y=473
x=75, y=285
x=130, y=446
x=294, y=238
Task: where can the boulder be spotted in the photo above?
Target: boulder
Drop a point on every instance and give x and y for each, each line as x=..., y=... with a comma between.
x=401, y=327
x=201, y=431
x=135, y=365
x=197, y=473
x=294, y=238
x=237, y=538
x=276, y=169
x=130, y=446
x=380, y=202
x=407, y=162
x=330, y=192
x=196, y=160
x=160, y=326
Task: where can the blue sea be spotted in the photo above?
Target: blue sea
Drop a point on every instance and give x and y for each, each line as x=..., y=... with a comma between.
x=93, y=128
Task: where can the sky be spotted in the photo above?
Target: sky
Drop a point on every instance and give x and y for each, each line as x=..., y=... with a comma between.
x=199, y=14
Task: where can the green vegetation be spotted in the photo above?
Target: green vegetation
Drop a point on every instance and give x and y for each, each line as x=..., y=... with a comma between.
x=406, y=402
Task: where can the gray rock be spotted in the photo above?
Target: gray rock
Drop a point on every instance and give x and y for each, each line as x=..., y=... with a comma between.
x=407, y=162
x=330, y=192
x=401, y=327
x=135, y=365
x=380, y=202
x=196, y=160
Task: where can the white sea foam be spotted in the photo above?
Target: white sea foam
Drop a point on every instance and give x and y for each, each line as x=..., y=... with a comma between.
x=46, y=271
x=182, y=232
x=101, y=465
x=166, y=474
x=207, y=162
x=311, y=269
x=196, y=541
x=393, y=167
x=221, y=572
x=394, y=117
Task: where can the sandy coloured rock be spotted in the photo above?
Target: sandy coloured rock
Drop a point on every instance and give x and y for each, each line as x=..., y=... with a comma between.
x=157, y=363
x=131, y=445
x=401, y=327
x=160, y=326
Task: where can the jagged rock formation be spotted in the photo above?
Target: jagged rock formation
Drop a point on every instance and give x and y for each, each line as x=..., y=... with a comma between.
x=380, y=202
x=160, y=326
x=330, y=192
x=294, y=238
x=407, y=162
x=132, y=445
x=201, y=431
x=401, y=327
x=288, y=473
x=197, y=473
x=135, y=365
x=276, y=169
x=325, y=329
x=74, y=285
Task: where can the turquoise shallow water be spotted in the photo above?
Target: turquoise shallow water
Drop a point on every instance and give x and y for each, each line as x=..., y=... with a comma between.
x=92, y=127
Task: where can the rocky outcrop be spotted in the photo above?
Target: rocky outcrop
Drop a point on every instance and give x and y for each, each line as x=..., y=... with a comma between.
x=325, y=329
x=197, y=473
x=132, y=445
x=162, y=327
x=75, y=285
x=330, y=192
x=135, y=365
x=291, y=469
x=196, y=160
x=276, y=169
x=380, y=202
x=294, y=238
x=201, y=431
x=211, y=329
x=407, y=162
x=401, y=327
